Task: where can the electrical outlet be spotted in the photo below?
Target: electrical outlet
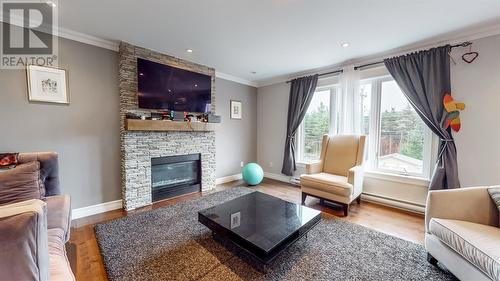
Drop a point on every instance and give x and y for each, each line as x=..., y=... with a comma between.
x=242, y=164
x=271, y=164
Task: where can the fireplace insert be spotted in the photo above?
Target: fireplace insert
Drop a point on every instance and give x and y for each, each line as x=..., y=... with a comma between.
x=175, y=175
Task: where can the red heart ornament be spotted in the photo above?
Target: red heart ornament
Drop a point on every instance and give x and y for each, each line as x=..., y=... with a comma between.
x=470, y=56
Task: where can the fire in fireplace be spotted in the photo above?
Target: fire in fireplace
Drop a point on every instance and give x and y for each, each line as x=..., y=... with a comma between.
x=175, y=175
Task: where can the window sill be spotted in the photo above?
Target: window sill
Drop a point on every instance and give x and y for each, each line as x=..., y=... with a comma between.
x=304, y=163
x=398, y=178
x=301, y=164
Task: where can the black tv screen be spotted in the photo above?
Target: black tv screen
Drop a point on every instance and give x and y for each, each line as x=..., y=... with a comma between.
x=165, y=87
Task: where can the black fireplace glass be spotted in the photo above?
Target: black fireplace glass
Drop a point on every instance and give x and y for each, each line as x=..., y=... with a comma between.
x=175, y=175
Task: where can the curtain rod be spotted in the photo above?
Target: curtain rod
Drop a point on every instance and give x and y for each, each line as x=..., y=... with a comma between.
x=463, y=44
x=323, y=74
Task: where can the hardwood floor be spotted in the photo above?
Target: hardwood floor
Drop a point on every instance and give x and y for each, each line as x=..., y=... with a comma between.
x=87, y=264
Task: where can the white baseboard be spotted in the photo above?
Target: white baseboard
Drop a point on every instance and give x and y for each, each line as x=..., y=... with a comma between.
x=228, y=179
x=273, y=176
x=96, y=209
x=394, y=203
x=278, y=177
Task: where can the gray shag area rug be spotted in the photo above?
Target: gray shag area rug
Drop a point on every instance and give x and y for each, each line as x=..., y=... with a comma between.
x=170, y=244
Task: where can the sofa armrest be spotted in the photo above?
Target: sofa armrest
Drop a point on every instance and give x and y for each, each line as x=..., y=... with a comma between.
x=355, y=177
x=23, y=243
x=59, y=213
x=314, y=167
x=472, y=204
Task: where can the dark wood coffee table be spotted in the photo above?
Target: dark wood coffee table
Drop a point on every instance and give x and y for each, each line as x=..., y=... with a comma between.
x=260, y=224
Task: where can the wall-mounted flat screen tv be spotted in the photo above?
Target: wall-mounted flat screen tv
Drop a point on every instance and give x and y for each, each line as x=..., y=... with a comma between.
x=169, y=88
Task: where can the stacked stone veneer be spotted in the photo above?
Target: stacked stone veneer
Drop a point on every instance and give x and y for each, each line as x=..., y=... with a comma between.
x=137, y=148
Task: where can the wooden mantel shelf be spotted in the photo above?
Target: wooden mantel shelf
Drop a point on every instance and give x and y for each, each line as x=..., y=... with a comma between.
x=165, y=126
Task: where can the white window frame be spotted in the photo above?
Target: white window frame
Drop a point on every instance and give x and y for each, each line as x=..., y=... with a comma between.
x=334, y=122
x=374, y=133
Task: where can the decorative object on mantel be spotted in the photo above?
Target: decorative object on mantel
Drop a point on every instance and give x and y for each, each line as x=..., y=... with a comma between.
x=156, y=116
x=178, y=115
x=236, y=108
x=470, y=56
x=130, y=115
x=453, y=112
x=212, y=118
x=47, y=84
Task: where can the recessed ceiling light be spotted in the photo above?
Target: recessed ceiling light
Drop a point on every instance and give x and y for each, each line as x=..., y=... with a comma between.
x=345, y=44
x=51, y=3
x=189, y=50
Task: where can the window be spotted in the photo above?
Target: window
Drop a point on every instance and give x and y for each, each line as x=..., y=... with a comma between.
x=399, y=142
x=365, y=110
x=321, y=118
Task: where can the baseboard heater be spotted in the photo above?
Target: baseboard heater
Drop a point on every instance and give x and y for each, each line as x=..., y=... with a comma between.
x=295, y=181
x=393, y=202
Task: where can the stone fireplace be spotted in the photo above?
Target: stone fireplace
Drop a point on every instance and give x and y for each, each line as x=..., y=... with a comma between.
x=140, y=150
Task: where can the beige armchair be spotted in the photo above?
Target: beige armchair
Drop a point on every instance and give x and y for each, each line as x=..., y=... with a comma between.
x=338, y=175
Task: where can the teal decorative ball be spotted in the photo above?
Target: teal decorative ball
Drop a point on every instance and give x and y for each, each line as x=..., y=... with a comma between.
x=252, y=174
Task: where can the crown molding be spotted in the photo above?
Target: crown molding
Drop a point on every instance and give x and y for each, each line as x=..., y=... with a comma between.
x=284, y=78
x=88, y=39
x=69, y=34
x=449, y=38
x=239, y=80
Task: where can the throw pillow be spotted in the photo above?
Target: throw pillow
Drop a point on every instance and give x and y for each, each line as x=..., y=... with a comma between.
x=20, y=183
x=8, y=160
x=495, y=195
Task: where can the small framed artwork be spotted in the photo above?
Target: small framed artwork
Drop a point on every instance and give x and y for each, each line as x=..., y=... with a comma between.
x=236, y=109
x=47, y=84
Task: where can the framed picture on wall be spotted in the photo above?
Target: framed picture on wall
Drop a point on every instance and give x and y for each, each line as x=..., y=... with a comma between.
x=47, y=84
x=236, y=109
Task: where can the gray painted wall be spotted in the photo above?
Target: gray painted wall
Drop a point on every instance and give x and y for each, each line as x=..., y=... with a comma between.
x=85, y=133
x=236, y=140
x=272, y=107
x=478, y=86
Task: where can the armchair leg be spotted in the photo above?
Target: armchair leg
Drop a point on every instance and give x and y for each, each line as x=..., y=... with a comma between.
x=432, y=260
x=358, y=200
x=304, y=195
x=346, y=209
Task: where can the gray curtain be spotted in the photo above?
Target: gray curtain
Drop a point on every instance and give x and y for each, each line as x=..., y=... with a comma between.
x=424, y=78
x=301, y=94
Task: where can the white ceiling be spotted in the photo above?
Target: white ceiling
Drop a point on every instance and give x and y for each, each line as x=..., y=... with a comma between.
x=273, y=37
